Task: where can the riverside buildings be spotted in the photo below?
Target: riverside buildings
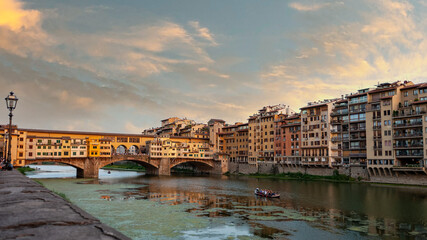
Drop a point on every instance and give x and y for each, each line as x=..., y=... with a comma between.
x=182, y=127
x=382, y=129
x=262, y=132
x=316, y=141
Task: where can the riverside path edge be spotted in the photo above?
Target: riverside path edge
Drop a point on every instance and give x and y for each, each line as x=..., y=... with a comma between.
x=31, y=211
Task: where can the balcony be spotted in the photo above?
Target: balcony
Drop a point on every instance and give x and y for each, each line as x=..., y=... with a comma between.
x=409, y=153
x=408, y=135
x=405, y=146
x=409, y=124
x=338, y=113
x=372, y=108
x=361, y=129
x=358, y=155
x=358, y=148
x=335, y=122
x=408, y=114
x=357, y=110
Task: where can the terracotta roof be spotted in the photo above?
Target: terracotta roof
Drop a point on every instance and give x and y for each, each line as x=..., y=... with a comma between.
x=413, y=86
x=356, y=95
x=382, y=89
x=97, y=133
x=317, y=105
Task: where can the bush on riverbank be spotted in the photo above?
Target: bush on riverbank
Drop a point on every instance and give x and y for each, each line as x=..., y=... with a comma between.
x=125, y=166
x=25, y=169
x=301, y=176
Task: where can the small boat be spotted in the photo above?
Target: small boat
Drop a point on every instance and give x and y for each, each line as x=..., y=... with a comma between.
x=264, y=194
x=109, y=172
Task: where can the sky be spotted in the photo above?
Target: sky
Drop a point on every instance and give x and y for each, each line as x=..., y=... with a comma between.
x=122, y=66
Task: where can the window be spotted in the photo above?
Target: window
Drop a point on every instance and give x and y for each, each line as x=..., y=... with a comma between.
x=416, y=92
x=405, y=94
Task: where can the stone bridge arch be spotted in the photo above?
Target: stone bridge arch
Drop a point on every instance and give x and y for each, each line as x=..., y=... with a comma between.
x=151, y=165
x=199, y=164
x=78, y=164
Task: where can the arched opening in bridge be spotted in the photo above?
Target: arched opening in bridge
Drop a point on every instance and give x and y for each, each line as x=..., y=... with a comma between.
x=192, y=167
x=133, y=150
x=121, y=150
x=131, y=164
x=56, y=169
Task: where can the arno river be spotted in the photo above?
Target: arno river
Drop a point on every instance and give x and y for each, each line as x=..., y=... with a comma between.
x=206, y=207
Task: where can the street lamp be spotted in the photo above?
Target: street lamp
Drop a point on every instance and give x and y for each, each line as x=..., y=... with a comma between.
x=11, y=102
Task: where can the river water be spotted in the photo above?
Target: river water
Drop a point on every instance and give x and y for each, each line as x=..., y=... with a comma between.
x=221, y=207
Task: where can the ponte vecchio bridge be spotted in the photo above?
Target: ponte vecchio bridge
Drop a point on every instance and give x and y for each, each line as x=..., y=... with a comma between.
x=89, y=167
x=90, y=151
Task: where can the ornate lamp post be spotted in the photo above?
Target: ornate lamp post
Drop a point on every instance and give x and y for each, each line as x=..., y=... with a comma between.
x=11, y=102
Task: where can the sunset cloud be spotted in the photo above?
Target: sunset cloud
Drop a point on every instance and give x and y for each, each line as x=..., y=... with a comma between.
x=310, y=7
x=203, y=32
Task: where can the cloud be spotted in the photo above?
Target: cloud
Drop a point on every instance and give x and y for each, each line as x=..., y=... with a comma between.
x=20, y=29
x=203, y=32
x=311, y=7
x=212, y=72
x=383, y=44
x=17, y=19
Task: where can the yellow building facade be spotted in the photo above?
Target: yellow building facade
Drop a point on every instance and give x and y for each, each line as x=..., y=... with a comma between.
x=50, y=144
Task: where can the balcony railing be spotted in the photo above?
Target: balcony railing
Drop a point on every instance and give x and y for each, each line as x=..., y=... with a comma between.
x=410, y=124
x=409, y=154
x=357, y=110
x=417, y=145
x=358, y=129
x=407, y=114
x=408, y=135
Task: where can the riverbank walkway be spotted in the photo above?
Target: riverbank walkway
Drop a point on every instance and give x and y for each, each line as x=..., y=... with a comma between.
x=30, y=211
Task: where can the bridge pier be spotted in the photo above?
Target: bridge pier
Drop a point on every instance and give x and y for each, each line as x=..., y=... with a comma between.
x=90, y=169
x=164, y=167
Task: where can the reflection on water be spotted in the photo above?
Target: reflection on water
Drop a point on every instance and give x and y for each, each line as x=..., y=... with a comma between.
x=191, y=207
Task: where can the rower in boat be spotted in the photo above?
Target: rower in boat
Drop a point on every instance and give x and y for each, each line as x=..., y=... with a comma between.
x=266, y=193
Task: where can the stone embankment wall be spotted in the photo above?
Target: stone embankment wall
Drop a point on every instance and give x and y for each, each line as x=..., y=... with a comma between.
x=401, y=179
x=30, y=211
x=353, y=171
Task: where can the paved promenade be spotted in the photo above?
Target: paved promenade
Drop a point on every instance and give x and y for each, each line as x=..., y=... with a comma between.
x=30, y=211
